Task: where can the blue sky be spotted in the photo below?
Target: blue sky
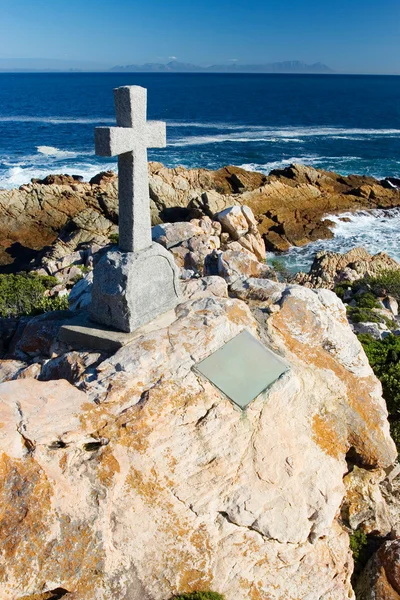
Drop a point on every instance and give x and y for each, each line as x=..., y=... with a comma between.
x=349, y=35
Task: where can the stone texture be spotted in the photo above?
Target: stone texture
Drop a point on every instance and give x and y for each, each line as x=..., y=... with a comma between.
x=255, y=289
x=364, y=506
x=330, y=268
x=236, y=263
x=80, y=295
x=130, y=140
x=173, y=234
x=130, y=289
x=234, y=222
x=381, y=577
x=377, y=330
x=36, y=336
x=10, y=368
x=151, y=483
x=290, y=206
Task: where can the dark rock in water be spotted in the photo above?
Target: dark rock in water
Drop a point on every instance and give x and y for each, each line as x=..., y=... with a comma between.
x=58, y=180
x=391, y=182
x=103, y=177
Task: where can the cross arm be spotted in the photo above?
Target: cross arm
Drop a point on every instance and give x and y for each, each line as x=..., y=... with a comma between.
x=156, y=134
x=111, y=141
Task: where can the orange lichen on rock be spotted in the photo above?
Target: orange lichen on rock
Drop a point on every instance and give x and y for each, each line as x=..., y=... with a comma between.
x=359, y=417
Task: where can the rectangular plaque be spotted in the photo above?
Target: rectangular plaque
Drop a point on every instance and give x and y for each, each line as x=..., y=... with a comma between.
x=242, y=369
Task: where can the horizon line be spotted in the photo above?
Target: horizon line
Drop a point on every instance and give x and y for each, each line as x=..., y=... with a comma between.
x=73, y=71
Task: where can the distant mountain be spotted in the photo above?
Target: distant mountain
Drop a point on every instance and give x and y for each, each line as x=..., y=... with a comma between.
x=290, y=66
x=54, y=65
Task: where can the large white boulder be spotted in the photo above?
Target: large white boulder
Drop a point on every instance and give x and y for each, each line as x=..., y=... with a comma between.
x=150, y=482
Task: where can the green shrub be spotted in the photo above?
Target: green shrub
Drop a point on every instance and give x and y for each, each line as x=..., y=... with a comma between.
x=341, y=288
x=362, y=550
x=395, y=433
x=367, y=300
x=199, y=596
x=280, y=269
x=383, y=356
x=23, y=295
x=114, y=238
x=75, y=279
x=362, y=315
x=387, y=283
x=83, y=268
x=358, y=544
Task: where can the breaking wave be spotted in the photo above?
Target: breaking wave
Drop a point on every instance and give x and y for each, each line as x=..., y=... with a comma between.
x=240, y=134
x=375, y=230
x=55, y=120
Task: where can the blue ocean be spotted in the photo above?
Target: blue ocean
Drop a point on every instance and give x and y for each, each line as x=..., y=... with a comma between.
x=349, y=124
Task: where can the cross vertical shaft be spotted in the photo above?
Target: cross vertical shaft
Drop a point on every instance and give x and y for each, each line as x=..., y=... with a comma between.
x=134, y=216
x=130, y=140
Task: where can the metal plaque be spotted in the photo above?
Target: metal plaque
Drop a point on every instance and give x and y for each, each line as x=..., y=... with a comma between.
x=242, y=369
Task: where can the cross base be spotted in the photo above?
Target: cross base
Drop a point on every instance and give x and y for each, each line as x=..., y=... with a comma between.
x=131, y=289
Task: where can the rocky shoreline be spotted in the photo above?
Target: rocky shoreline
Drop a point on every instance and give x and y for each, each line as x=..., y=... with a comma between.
x=61, y=214
x=125, y=474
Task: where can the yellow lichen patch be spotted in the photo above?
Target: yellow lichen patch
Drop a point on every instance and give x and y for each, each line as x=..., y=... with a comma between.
x=326, y=436
x=136, y=426
x=77, y=553
x=108, y=467
x=187, y=544
x=238, y=313
x=359, y=419
x=146, y=488
x=255, y=593
x=63, y=462
x=149, y=345
x=25, y=517
x=33, y=549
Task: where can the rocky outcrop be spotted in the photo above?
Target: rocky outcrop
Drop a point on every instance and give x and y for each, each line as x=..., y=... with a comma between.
x=60, y=215
x=331, y=268
x=139, y=479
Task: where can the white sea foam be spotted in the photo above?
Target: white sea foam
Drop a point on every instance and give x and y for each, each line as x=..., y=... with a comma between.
x=240, y=137
x=54, y=120
x=56, y=152
x=376, y=230
x=240, y=134
x=22, y=173
x=307, y=159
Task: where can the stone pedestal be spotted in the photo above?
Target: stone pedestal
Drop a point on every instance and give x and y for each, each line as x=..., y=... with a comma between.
x=130, y=289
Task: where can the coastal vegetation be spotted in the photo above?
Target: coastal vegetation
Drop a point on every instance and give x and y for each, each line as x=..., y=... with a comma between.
x=25, y=295
x=383, y=356
x=363, y=306
x=360, y=551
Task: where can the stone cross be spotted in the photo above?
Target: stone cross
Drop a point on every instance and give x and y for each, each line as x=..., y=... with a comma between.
x=139, y=281
x=129, y=141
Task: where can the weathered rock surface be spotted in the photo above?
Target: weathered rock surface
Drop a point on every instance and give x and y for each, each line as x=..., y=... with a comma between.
x=364, y=506
x=147, y=481
x=330, y=268
x=289, y=206
x=381, y=577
